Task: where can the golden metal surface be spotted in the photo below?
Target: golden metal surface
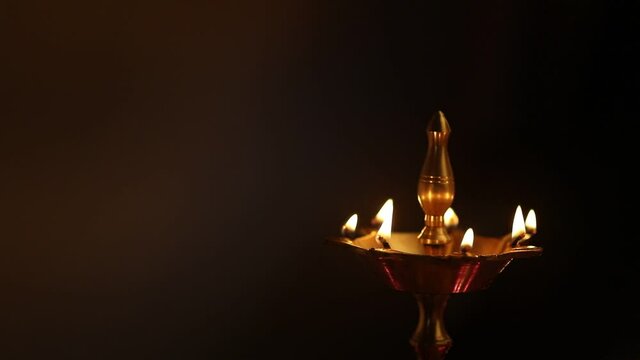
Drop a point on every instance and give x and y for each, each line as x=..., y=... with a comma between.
x=436, y=187
x=430, y=340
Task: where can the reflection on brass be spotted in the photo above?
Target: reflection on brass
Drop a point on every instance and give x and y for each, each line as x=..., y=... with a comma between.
x=435, y=266
x=436, y=186
x=454, y=272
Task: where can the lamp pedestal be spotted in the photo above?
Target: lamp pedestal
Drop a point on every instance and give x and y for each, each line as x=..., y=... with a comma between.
x=430, y=339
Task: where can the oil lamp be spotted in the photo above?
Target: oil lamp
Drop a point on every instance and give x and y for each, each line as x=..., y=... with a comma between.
x=440, y=260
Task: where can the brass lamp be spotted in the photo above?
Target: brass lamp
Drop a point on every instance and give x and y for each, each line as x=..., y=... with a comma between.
x=436, y=262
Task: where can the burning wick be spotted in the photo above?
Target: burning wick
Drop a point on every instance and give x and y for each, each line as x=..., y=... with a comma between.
x=451, y=219
x=522, y=229
x=384, y=233
x=518, y=230
x=349, y=228
x=530, y=222
x=467, y=242
x=382, y=242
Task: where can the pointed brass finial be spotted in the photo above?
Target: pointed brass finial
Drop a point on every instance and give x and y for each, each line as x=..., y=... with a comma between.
x=436, y=186
x=438, y=123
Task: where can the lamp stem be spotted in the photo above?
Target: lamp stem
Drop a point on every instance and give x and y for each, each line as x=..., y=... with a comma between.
x=430, y=339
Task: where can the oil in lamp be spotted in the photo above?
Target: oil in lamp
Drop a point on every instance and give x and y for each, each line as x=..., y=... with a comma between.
x=440, y=260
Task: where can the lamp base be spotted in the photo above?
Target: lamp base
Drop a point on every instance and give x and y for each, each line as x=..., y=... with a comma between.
x=432, y=277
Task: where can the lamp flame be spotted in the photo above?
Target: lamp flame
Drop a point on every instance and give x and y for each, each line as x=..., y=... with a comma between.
x=518, y=229
x=467, y=240
x=530, y=222
x=385, y=212
x=385, y=230
x=386, y=216
x=451, y=218
x=350, y=226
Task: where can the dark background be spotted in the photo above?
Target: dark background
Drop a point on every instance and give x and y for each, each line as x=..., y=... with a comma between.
x=171, y=170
